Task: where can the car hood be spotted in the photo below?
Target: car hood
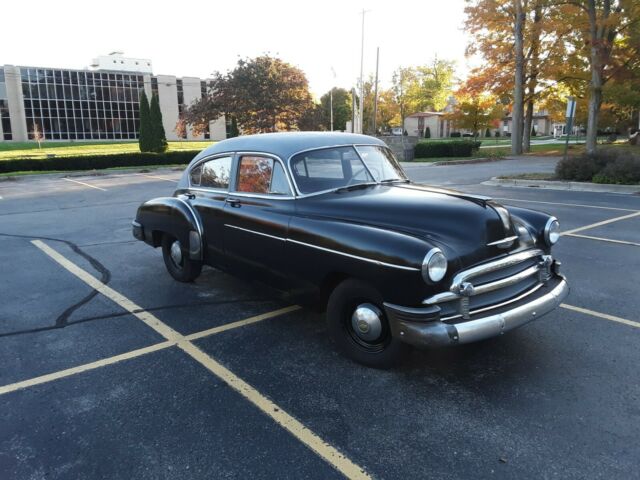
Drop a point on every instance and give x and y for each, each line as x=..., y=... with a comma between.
x=462, y=225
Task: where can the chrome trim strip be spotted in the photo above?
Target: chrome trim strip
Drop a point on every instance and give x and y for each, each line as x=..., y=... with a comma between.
x=503, y=241
x=492, y=266
x=257, y=233
x=487, y=327
x=497, y=305
x=377, y=262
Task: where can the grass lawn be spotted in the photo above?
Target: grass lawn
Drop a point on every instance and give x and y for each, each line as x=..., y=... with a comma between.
x=11, y=150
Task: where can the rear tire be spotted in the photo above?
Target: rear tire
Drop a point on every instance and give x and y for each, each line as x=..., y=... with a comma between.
x=358, y=325
x=177, y=260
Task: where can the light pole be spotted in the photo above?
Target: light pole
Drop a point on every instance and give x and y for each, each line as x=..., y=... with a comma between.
x=361, y=105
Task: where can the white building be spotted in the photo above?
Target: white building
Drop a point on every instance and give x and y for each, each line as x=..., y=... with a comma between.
x=100, y=104
x=417, y=124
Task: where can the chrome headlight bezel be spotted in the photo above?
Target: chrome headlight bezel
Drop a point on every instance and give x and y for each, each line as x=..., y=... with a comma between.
x=552, y=231
x=433, y=269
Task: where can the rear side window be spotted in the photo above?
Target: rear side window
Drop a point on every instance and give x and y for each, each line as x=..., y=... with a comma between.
x=212, y=174
x=262, y=175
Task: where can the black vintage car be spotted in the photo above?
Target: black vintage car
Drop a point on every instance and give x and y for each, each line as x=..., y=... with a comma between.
x=332, y=219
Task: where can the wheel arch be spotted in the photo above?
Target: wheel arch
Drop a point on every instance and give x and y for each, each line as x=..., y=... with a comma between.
x=176, y=217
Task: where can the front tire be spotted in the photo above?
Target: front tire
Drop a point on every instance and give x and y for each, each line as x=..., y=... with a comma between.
x=177, y=260
x=358, y=325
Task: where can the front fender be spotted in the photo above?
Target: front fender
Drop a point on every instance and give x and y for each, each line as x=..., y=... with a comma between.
x=534, y=220
x=172, y=215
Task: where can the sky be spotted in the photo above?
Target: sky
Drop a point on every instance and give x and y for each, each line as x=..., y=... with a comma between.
x=196, y=37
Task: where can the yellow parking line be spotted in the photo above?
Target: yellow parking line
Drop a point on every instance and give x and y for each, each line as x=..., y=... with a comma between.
x=568, y=204
x=85, y=184
x=330, y=454
x=84, y=368
x=604, y=316
x=589, y=237
x=163, y=329
x=599, y=224
x=326, y=451
x=241, y=323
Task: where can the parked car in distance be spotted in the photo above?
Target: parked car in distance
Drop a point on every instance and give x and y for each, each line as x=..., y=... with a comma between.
x=398, y=131
x=332, y=219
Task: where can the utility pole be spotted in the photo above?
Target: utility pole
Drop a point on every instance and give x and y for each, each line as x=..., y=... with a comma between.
x=375, y=94
x=362, y=74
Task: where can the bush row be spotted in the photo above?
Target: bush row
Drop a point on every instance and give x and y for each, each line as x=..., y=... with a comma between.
x=97, y=162
x=455, y=148
x=606, y=166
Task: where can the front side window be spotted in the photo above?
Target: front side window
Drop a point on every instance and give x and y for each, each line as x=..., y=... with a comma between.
x=328, y=169
x=262, y=175
x=212, y=174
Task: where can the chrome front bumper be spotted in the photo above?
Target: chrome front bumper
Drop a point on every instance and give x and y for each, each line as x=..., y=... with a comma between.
x=421, y=328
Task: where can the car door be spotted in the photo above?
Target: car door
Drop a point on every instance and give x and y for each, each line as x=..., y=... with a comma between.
x=209, y=185
x=256, y=219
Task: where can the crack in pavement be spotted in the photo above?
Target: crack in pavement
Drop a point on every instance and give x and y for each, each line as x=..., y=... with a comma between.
x=124, y=314
x=105, y=277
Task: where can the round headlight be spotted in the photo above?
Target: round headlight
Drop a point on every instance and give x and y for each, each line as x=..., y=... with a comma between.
x=552, y=231
x=434, y=265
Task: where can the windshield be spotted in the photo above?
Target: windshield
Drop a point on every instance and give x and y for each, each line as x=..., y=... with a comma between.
x=381, y=163
x=336, y=167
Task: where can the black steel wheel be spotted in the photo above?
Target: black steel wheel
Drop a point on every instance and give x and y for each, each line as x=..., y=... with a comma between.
x=177, y=260
x=358, y=325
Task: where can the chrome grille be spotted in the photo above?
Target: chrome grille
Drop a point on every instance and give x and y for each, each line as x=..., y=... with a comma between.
x=491, y=284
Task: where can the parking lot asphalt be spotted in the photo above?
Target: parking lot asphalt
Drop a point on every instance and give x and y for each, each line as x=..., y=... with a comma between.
x=110, y=369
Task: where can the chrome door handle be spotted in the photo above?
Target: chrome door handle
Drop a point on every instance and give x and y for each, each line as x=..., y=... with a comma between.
x=234, y=202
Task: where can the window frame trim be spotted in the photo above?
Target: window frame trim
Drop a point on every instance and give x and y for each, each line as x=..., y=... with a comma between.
x=275, y=158
x=203, y=160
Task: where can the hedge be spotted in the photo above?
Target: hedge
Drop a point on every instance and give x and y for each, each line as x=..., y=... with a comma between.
x=454, y=148
x=618, y=166
x=97, y=162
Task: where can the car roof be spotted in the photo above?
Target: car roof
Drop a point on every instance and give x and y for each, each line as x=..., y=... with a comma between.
x=285, y=144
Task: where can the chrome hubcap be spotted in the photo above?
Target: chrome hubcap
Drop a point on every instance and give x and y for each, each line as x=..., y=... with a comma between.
x=367, y=322
x=176, y=253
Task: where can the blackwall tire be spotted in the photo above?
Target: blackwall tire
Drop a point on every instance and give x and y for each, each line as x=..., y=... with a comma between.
x=179, y=265
x=380, y=349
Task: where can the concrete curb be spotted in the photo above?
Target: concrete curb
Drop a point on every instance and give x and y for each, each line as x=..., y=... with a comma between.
x=561, y=185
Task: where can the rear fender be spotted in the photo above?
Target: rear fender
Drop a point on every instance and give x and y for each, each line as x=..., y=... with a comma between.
x=175, y=216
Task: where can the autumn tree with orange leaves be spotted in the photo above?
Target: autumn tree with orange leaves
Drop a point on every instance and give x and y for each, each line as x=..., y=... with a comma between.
x=539, y=51
x=475, y=111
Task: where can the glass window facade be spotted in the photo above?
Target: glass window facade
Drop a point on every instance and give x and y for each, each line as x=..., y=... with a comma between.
x=4, y=108
x=82, y=105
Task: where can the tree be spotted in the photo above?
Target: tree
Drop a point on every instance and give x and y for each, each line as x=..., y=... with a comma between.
x=540, y=53
x=38, y=136
x=426, y=87
x=487, y=132
x=312, y=120
x=608, y=38
x=388, y=110
x=264, y=94
x=475, y=112
x=158, y=136
x=341, y=108
x=233, y=128
x=427, y=133
x=145, y=133
x=181, y=128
